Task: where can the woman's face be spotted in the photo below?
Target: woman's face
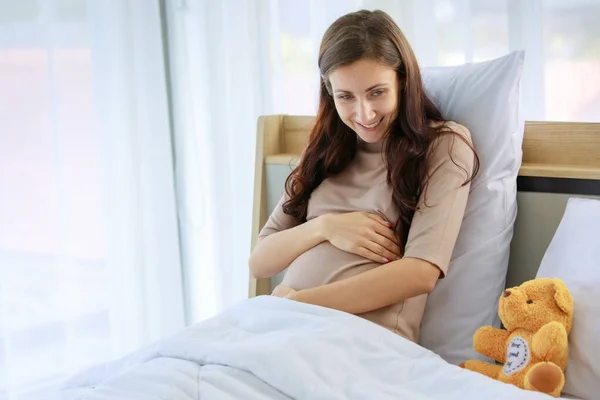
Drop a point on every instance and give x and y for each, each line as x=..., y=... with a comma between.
x=366, y=97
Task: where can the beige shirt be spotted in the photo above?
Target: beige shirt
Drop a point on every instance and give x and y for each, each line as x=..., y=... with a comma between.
x=362, y=187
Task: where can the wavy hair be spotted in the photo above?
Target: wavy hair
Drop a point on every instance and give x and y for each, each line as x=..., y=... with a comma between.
x=332, y=144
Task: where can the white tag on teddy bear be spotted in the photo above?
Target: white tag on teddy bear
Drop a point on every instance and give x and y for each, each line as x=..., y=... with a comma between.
x=517, y=355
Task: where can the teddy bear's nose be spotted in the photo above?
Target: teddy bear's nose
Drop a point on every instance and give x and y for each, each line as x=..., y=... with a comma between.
x=506, y=293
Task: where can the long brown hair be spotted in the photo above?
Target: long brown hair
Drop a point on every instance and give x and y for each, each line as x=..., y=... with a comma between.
x=332, y=144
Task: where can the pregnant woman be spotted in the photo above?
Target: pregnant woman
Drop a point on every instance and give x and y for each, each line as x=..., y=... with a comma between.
x=371, y=214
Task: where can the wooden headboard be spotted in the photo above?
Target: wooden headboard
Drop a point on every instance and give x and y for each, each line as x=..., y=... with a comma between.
x=560, y=159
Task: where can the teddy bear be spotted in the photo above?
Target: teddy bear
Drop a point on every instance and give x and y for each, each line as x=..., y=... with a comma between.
x=533, y=348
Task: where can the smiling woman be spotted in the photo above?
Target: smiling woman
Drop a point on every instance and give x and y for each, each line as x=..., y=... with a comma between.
x=376, y=203
x=369, y=109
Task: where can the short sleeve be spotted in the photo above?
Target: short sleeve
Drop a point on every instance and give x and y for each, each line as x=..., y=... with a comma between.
x=440, y=210
x=278, y=220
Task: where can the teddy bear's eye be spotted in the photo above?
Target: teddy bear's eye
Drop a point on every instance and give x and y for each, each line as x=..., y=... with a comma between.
x=529, y=301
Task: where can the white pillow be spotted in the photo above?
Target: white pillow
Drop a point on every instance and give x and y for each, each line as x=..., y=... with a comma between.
x=484, y=97
x=574, y=256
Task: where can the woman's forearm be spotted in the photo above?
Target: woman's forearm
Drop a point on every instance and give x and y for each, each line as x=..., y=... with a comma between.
x=273, y=253
x=376, y=288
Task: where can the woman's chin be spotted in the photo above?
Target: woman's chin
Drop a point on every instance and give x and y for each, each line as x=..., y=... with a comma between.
x=369, y=136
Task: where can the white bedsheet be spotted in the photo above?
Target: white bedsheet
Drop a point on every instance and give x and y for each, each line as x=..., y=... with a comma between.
x=272, y=348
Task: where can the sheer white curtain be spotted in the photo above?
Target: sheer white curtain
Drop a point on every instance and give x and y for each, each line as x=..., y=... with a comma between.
x=233, y=60
x=216, y=52
x=89, y=246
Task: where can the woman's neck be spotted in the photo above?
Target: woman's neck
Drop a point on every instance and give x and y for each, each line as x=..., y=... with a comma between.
x=367, y=147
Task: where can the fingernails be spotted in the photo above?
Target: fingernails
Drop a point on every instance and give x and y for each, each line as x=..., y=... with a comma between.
x=385, y=260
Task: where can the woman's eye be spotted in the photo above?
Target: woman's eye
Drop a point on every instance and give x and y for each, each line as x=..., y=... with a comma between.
x=377, y=93
x=345, y=97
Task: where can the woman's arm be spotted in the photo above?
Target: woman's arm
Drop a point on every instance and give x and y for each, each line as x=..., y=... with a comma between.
x=273, y=253
x=390, y=283
x=432, y=236
x=362, y=233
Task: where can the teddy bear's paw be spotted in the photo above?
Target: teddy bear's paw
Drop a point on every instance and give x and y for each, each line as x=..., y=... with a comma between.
x=545, y=377
x=491, y=370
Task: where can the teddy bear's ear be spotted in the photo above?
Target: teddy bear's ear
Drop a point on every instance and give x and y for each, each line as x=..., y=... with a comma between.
x=562, y=296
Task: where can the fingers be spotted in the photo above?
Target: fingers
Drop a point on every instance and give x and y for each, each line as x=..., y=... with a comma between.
x=383, y=253
x=282, y=291
x=378, y=218
x=387, y=233
x=383, y=227
x=383, y=238
x=387, y=244
x=368, y=254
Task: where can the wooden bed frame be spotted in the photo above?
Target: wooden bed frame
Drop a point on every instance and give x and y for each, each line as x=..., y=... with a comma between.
x=560, y=159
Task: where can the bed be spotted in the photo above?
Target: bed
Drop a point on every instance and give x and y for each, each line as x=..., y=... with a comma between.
x=272, y=348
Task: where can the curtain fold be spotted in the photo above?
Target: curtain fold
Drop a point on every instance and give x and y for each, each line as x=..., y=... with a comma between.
x=217, y=50
x=133, y=122
x=90, y=264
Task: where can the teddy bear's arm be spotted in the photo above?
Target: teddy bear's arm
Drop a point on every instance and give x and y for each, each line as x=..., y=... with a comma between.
x=491, y=342
x=550, y=342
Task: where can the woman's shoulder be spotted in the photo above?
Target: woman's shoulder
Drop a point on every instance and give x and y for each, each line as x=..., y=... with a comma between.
x=453, y=142
x=453, y=126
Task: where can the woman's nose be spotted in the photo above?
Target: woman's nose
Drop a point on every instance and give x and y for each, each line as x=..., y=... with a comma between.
x=365, y=112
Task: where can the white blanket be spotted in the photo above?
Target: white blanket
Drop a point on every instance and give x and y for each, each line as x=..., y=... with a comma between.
x=272, y=348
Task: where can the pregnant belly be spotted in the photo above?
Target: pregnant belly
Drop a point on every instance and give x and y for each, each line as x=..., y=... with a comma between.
x=324, y=264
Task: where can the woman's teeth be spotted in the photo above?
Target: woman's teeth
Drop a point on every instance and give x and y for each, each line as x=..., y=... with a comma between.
x=373, y=125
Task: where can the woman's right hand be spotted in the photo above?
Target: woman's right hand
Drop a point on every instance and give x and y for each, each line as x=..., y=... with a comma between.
x=362, y=233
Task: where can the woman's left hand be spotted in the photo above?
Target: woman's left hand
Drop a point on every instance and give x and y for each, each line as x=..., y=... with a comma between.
x=283, y=291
